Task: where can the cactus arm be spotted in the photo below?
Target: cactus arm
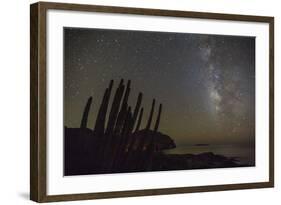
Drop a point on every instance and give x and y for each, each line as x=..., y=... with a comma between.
x=150, y=115
x=158, y=118
x=86, y=113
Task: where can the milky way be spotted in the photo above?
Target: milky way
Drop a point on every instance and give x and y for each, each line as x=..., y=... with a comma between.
x=206, y=83
x=225, y=80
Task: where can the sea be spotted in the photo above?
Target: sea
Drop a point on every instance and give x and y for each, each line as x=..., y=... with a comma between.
x=244, y=154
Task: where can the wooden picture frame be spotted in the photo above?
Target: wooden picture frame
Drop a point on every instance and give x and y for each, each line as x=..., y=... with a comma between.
x=38, y=101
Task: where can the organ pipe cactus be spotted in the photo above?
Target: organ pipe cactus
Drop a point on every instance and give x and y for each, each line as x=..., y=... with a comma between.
x=86, y=113
x=115, y=108
x=139, y=120
x=122, y=114
x=150, y=115
x=136, y=111
x=100, y=122
x=158, y=118
x=116, y=145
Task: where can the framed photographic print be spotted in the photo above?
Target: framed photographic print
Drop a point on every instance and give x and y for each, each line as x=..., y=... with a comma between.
x=133, y=102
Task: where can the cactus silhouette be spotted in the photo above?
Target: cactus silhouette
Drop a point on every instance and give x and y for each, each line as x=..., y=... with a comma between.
x=86, y=113
x=115, y=108
x=139, y=120
x=158, y=118
x=122, y=114
x=150, y=115
x=136, y=111
x=100, y=121
x=116, y=145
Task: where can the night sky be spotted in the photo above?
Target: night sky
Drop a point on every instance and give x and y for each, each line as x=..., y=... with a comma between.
x=206, y=83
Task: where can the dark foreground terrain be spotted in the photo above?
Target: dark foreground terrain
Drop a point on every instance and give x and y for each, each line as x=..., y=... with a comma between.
x=87, y=154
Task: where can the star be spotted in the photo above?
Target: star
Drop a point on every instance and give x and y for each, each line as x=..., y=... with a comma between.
x=206, y=83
